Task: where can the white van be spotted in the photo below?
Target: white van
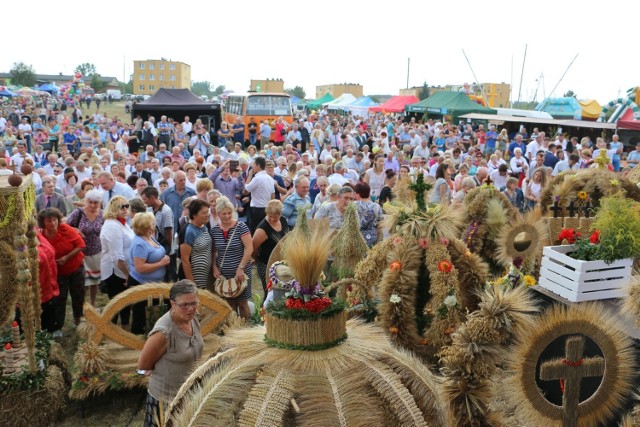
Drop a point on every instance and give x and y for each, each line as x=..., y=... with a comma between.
x=115, y=94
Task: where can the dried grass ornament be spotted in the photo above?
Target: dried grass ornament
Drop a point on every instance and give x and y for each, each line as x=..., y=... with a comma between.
x=364, y=381
x=590, y=320
x=521, y=238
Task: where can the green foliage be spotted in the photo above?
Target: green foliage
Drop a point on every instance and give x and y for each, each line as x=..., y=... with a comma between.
x=22, y=74
x=202, y=88
x=87, y=69
x=367, y=309
x=278, y=309
x=569, y=94
x=296, y=91
x=424, y=92
x=219, y=90
x=126, y=87
x=256, y=316
x=24, y=380
x=618, y=221
x=97, y=84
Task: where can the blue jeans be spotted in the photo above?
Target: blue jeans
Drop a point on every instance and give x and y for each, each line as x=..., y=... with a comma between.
x=616, y=164
x=253, y=137
x=27, y=139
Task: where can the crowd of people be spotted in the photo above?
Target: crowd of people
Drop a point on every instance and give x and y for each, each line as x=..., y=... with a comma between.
x=127, y=202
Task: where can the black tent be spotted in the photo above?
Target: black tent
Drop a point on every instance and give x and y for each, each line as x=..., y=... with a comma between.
x=178, y=103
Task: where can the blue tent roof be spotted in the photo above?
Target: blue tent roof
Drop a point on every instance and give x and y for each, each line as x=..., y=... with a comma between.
x=7, y=93
x=561, y=107
x=363, y=101
x=47, y=87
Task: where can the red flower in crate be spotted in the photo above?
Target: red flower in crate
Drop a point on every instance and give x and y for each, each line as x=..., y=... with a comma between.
x=294, y=304
x=568, y=234
x=316, y=305
x=595, y=237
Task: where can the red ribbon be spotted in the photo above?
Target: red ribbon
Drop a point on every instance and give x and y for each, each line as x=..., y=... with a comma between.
x=574, y=364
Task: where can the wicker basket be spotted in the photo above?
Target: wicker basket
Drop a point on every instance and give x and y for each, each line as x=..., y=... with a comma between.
x=306, y=334
x=555, y=226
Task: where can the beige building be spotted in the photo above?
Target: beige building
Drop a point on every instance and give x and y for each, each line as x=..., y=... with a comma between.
x=497, y=93
x=153, y=74
x=268, y=85
x=338, y=89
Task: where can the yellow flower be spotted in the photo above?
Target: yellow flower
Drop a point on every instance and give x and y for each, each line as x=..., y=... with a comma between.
x=614, y=182
x=582, y=195
x=529, y=280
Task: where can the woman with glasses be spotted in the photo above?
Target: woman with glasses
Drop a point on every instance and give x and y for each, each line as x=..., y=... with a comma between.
x=115, y=240
x=88, y=221
x=173, y=346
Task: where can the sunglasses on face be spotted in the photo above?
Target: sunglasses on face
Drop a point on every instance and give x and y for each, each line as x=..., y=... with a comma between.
x=124, y=206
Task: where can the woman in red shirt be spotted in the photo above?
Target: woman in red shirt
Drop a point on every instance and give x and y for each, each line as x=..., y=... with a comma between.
x=280, y=131
x=48, y=272
x=68, y=246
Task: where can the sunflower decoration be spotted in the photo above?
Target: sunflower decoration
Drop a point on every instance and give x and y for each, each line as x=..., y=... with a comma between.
x=529, y=280
x=582, y=195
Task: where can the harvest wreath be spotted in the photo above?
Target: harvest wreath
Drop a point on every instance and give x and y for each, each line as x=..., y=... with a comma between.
x=305, y=319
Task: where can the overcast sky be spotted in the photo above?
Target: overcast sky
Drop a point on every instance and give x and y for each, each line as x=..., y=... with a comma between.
x=329, y=41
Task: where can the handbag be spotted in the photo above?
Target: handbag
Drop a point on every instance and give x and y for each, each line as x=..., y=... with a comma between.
x=229, y=288
x=283, y=131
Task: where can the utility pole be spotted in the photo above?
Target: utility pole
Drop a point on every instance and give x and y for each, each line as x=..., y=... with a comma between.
x=408, y=66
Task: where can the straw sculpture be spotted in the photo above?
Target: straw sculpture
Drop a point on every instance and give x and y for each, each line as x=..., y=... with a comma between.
x=368, y=271
x=472, y=273
x=478, y=346
x=25, y=295
x=487, y=211
x=364, y=381
x=589, y=320
x=35, y=407
x=397, y=292
x=348, y=247
x=631, y=304
x=8, y=287
x=634, y=175
x=443, y=278
x=596, y=182
x=530, y=229
x=216, y=310
x=13, y=202
x=34, y=264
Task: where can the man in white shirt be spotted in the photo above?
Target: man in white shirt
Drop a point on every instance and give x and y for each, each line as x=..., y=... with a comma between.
x=421, y=151
x=187, y=126
x=19, y=157
x=337, y=177
x=27, y=131
x=53, y=162
x=533, y=147
x=573, y=163
x=499, y=176
x=262, y=189
x=110, y=187
x=82, y=171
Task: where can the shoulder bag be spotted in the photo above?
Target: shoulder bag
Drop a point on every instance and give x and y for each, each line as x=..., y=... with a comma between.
x=229, y=288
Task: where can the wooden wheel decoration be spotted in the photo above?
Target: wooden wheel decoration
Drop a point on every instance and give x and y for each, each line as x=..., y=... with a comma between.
x=616, y=367
x=215, y=312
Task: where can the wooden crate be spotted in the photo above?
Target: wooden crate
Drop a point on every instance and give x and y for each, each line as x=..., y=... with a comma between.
x=578, y=280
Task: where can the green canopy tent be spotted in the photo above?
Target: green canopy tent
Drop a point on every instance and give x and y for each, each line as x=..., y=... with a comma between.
x=317, y=104
x=444, y=103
